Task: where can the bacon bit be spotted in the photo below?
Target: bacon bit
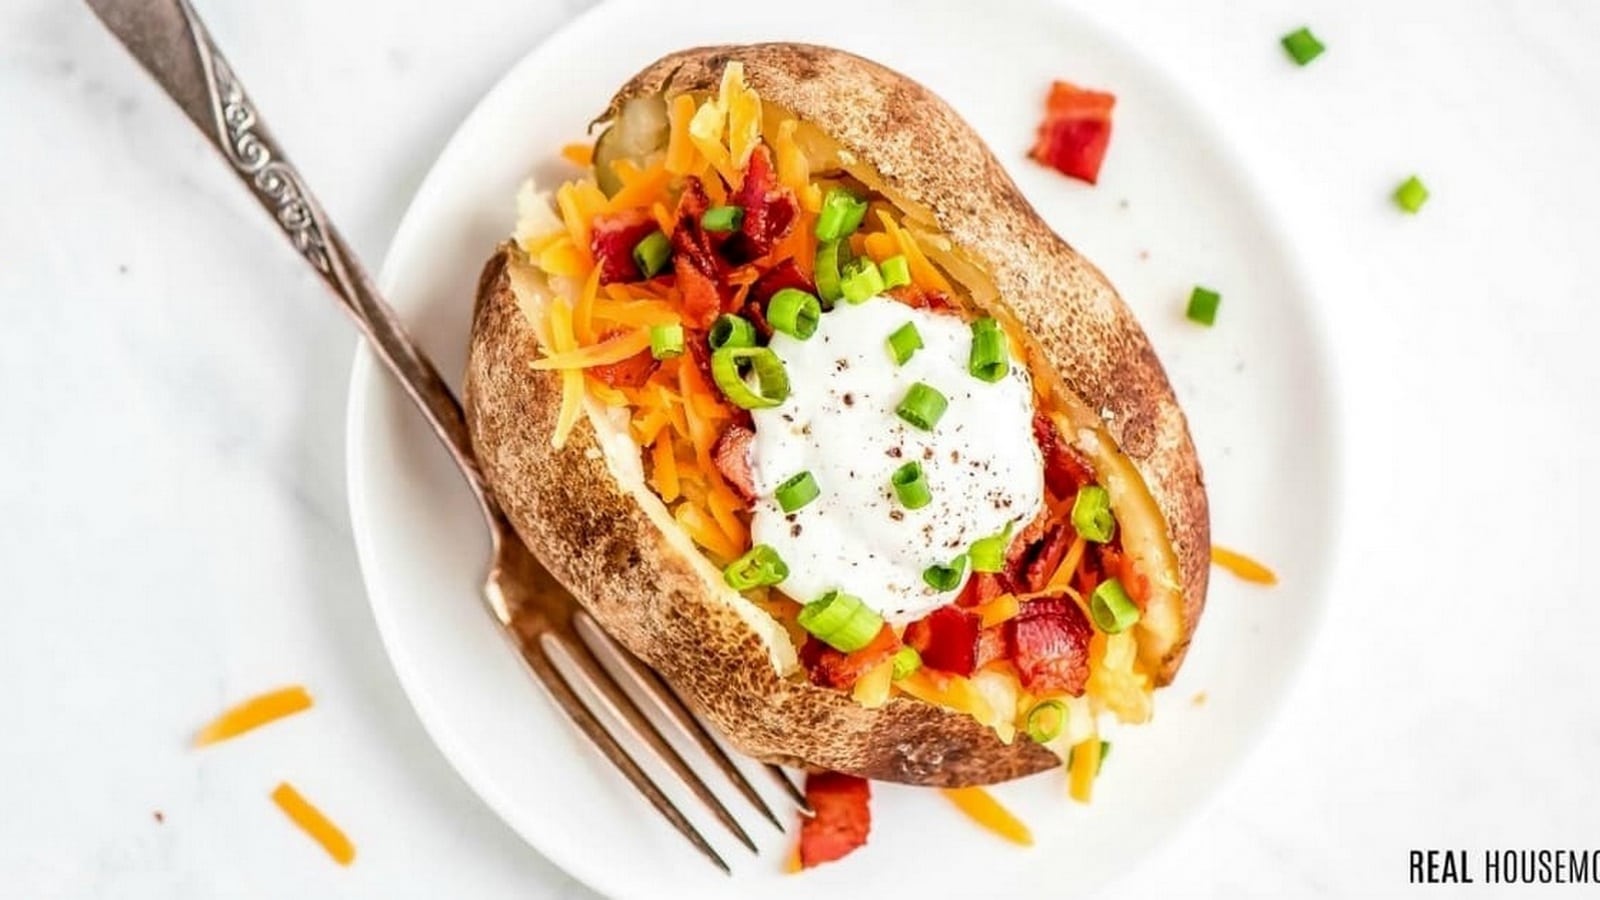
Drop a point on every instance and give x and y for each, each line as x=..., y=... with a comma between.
x=981, y=588
x=982, y=808
x=993, y=645
x=1243, y=566
x=612, y=239
x=947, y=640
x=731, y=453
x=314, y=823
x=770, y=209
x=260, y=710
x=918, y=297
x=1065, y=470
x=1075, y=132
x=1051, y=636
x=832, y=668
x=783, y=275
x=1033, y=565
x=631, y=372
x=694, y=260
x=842, y=821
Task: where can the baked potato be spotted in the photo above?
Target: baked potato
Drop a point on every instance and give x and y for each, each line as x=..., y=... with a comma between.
x=743, y=190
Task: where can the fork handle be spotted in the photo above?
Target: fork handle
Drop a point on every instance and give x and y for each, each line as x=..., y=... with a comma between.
x=169, y=40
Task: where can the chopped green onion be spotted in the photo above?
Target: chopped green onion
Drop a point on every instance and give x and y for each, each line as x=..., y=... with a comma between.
x=1110, y=607
x=1091, y=514
x=1045, y=720
x=922, y=406
x=989, y=554
x=666, y=341
x=731, y=331
x=826, y=271
x=910, y=486
x=760, y=567
x=896, y=271
x=728, y=366
x=794, y=312
x=841, y=215
x=722, y=218
x=1410, y=195
x=860, y=280
x=905, y=341
x=906, y=661
x=828, y=614
x=989, y=361
x=1203, y=303
x=651, y=253
x=1302, y=46
x=841, y=621
x=946, y=578
x=796, y=492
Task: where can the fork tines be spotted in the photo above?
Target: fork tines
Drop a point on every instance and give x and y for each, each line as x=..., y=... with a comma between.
x=582, y=646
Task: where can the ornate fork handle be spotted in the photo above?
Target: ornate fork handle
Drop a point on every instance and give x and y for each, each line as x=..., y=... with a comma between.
x=168, y=39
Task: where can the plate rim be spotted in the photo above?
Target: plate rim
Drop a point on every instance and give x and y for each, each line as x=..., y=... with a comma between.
x=1315, y=316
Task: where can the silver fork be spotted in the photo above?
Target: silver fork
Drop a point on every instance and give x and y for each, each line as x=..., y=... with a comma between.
x=534, y=611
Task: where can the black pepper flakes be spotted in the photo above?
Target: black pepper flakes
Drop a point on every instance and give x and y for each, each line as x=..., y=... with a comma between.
x=897, y=515
x=849, y=399
x=894, y=452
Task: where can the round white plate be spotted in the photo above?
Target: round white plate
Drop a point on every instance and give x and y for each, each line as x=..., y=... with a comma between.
x=1173, y=209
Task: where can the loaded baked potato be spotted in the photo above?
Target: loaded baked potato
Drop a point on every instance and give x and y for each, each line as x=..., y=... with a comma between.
x=809, y=408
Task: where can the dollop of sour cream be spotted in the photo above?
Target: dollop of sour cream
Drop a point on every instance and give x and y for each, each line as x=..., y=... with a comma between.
x=839, y=423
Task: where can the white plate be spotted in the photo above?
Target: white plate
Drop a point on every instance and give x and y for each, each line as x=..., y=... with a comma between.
x=1172, y=209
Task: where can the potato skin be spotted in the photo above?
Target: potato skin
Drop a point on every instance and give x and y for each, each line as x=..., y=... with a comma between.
x=600, y=544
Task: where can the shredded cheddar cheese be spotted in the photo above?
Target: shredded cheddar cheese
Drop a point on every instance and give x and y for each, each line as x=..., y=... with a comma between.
x=580, y=155
x=260, y=710
x=1001, y=609
x=609, y=351
x=872, y=689
x=680, y=147
x=981, y=807
x=318, y=826
x=1242, y=566
x=1084, y=765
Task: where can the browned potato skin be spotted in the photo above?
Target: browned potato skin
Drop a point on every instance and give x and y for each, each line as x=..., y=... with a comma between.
x=598, y=542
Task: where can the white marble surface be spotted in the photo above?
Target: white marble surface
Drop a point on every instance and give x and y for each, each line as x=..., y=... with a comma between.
x=174, y=532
